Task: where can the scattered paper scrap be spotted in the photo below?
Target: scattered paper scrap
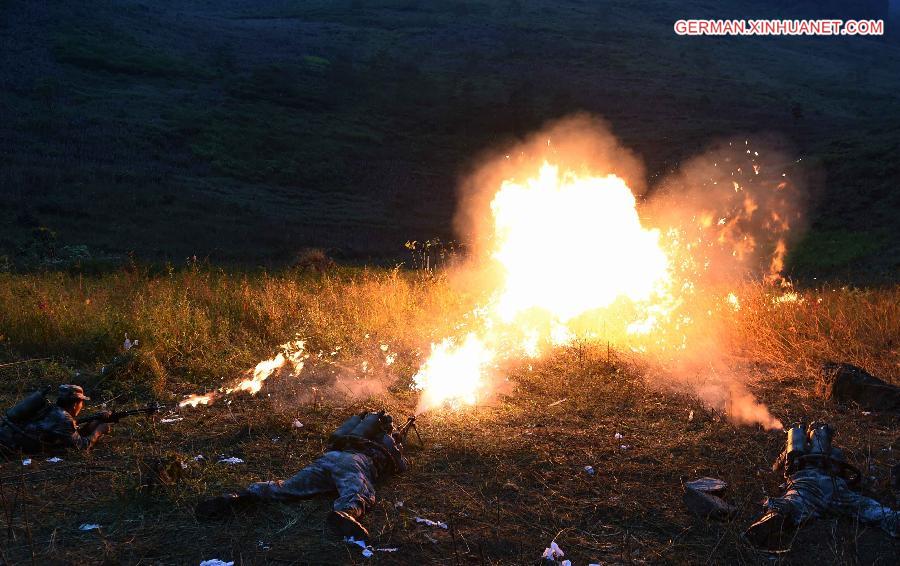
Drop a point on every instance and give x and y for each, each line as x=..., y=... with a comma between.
x=553, y=552
x=26, y=462
x=555, y=403
x=618, y=436
x=398, y=504
x=231, y=460
x=89, y=527
x=54, y=460
x=297, y=424
x=171, y=420
x=387, y=549
x=366, y=549
x=590, y=470
x=431, y=523
x=691, y=416
x=625, y=447
x=352, y=540
x=198, y=457
x=216, y=562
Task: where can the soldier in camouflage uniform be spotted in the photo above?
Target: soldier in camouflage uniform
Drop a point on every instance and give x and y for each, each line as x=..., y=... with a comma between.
x=54, y=426
x=363, y=449
x=819, y=482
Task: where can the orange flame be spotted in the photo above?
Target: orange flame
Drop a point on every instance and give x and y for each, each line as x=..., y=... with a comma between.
x=292, y=354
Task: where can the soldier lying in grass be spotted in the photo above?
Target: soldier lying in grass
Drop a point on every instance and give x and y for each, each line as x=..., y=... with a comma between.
x=365, y=448
x=819, y=482
x=34, y=425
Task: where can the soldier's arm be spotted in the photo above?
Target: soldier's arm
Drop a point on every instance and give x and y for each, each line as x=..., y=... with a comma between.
x=71, y=437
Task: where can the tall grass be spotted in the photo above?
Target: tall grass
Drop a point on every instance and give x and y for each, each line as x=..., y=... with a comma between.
x=845, y=324
x=199, y=325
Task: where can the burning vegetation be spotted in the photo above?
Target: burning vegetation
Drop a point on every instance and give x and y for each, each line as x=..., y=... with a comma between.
x=564, y=250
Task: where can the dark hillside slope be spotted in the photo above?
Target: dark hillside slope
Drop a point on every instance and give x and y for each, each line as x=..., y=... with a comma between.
x=246, y=130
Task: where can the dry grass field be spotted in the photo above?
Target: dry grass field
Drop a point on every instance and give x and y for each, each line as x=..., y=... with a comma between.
x=507, y=476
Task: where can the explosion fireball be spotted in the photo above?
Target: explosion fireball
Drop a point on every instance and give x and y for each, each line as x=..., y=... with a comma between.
x=571, y=256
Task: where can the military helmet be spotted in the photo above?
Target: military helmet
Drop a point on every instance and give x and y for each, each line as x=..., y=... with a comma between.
x=71, y=392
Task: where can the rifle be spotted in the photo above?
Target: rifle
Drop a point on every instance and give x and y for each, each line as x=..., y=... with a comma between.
x=410, y=424
x=116, y=416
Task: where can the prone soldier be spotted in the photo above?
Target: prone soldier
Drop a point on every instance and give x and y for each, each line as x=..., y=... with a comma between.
x=364, y=449
x=35, y=425
x=819, y=482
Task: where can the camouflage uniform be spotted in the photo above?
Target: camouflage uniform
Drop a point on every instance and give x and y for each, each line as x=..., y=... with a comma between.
x=53, y=427
x=351, y=471
x=818, y=484
x=813, y=493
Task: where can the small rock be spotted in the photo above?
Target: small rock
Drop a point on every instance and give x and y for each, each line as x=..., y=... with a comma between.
x=707, y=485
x=707, y=506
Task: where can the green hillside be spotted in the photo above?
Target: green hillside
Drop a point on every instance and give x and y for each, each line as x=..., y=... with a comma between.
x=246, y=131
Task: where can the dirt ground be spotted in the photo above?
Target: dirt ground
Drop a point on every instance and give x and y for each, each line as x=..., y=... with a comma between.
x=507, y=479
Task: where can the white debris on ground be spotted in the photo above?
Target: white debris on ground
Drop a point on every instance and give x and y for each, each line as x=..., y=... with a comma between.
x=232, y=460
x=89, y=527
x=54, y=460
x=216, y=562
x=198, y=457
x=691, y=416
x=553, y=552
x=297, y=424
x=431, y=523
x=171, y=420
x=625, y=447
x=590, y=470
x=398, y=504
x=366, y=549
x=26, y=462
x=387, y=549
x=618, y=436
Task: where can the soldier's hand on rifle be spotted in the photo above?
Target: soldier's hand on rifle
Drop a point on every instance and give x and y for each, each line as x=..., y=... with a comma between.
x=102, y=428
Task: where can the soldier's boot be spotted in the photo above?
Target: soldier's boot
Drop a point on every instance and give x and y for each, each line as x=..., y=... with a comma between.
x=345, y=524
x=773, y=531
x=225, y=505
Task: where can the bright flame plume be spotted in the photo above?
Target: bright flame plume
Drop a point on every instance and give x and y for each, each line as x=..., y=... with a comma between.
x=292, y=356
x=570, y=256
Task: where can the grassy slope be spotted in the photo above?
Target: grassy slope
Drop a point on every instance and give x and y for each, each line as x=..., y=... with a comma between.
x=248, y=130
